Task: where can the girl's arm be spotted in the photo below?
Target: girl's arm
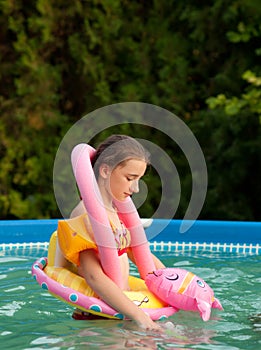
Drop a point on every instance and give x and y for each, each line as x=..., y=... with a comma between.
x=108, y=291
x=158, y=264
x=59, y=260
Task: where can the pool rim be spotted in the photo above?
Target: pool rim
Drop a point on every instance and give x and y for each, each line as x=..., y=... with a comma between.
x=226, y=236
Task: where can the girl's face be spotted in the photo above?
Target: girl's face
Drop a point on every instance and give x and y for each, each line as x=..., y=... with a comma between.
x=124, y=179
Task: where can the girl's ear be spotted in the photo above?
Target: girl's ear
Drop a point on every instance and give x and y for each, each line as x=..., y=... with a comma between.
x=104, y=171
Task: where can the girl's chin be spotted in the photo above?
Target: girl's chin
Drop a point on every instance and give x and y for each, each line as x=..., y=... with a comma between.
x=122, y=198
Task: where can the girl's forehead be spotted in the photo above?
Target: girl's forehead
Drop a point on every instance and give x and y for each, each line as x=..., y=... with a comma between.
x=135, y=166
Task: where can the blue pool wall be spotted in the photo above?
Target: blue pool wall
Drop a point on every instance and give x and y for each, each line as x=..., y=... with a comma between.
x=161, y=230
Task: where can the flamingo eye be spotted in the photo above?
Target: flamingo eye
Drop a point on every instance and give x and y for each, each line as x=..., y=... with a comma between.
x=157, y=273
x=201, y=283
x=172, y=277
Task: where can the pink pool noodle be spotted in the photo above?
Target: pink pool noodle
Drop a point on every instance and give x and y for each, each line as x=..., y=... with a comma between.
x=87, y=184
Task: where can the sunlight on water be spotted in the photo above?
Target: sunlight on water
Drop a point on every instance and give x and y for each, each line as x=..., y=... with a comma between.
x=30, y=318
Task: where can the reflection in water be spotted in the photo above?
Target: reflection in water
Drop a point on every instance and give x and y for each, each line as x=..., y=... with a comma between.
x=256, y=322
x=110, y=334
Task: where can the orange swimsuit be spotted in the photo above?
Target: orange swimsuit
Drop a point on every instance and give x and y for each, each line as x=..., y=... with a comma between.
x=76, y=235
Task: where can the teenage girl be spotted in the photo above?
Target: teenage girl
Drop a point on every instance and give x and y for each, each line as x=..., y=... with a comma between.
x=119, y=163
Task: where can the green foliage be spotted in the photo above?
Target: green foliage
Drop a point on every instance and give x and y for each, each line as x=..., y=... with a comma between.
x=60, y=60
x=250, y=100
x=232, y=149
x=238, y=140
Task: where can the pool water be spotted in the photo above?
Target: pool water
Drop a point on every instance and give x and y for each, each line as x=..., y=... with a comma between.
x=30, y=318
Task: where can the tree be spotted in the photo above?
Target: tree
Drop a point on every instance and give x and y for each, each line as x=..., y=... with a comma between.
x=60, y=60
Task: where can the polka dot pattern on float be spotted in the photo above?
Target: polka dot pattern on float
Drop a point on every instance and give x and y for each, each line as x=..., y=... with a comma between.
x=163, y=317
x=73, y=298
x=44, y=286
x=96, y=308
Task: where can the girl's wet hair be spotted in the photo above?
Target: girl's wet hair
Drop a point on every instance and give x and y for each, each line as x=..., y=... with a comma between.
x=116, y=150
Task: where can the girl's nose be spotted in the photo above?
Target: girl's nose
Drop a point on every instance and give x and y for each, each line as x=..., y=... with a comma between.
x=135, y=186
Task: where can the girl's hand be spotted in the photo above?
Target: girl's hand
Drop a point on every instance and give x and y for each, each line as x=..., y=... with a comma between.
x=145, y=322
